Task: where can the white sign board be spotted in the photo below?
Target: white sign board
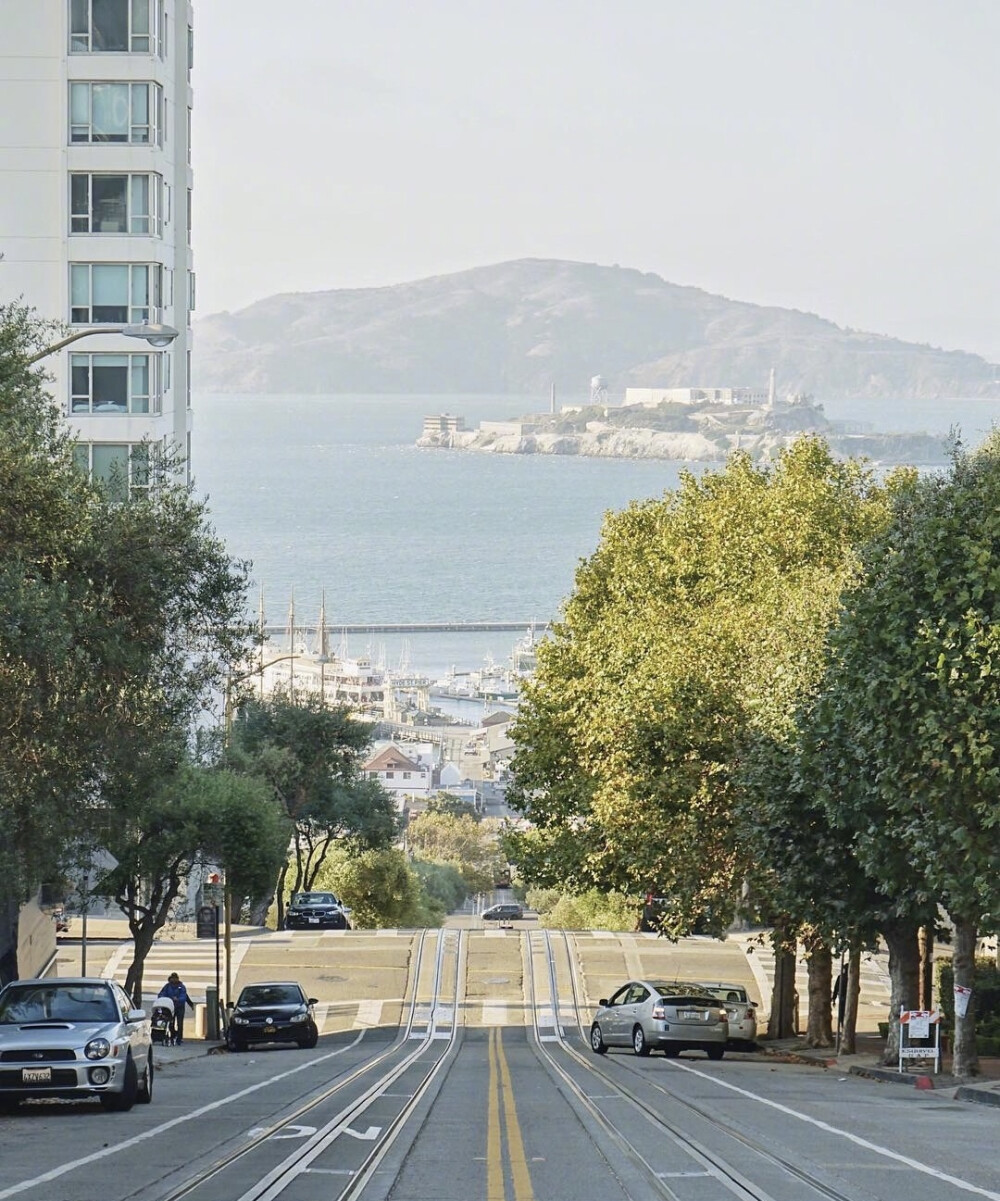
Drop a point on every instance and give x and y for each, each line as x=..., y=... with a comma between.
x=962, y=995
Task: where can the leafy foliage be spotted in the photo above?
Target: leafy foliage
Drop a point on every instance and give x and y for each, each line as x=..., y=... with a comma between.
x=694, y=629
x=310, y=755
x=472, y=847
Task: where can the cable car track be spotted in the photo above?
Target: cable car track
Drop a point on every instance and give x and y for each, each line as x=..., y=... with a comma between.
x=273, y=1182
x=716, y=1165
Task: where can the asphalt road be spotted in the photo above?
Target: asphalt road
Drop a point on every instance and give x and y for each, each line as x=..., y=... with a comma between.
x=475, y=1083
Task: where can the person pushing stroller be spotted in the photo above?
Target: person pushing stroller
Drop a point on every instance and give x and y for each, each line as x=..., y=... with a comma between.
x=177, y=993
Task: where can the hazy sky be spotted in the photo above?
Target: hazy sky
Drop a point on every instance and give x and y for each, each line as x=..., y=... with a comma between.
x=838, y=156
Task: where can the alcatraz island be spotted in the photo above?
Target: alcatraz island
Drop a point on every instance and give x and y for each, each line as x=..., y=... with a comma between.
x=686, y=424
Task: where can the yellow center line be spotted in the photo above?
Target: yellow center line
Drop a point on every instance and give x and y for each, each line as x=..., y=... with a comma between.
x=494, y=1165
x=515, y=1145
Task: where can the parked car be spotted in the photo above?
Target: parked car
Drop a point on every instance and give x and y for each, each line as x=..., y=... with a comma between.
x=742, y=1012
x=316, y=910
x=73, y=1038
x=666, y=1015
x=507, y=912
x=272, y=1012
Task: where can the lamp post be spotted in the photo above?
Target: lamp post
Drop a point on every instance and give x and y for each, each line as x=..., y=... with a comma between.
x=155, y=335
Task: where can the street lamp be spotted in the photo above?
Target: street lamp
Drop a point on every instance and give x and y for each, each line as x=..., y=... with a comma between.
x=154, y=334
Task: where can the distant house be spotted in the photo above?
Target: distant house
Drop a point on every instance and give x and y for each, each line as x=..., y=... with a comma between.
x=518, y=429
x=398, y=773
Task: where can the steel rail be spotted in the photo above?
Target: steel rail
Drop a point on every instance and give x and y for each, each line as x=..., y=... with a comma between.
x=317, y=1099
x=286, y=1173
x=702, y=1153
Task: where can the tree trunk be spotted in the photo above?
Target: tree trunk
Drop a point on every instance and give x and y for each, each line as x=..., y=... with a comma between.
x=782, y=1020
x=279, y=893
x=143, y=934
x=965, y=1061
x=904, y=974
x=925, y=941
x=819, y=1029
x=849, y=1028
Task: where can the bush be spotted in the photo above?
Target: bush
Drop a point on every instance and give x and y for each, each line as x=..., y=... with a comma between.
x=592, y=910
x=442, y=882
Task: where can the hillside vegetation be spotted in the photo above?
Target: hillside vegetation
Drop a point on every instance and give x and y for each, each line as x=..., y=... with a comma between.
x=522, y=326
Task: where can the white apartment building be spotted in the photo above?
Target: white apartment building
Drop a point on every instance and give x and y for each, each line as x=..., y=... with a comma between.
x=95, y=211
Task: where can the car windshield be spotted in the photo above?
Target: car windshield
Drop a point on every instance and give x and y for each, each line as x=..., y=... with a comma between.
x=314, y=898
x=57, y=1002
x=270, y=994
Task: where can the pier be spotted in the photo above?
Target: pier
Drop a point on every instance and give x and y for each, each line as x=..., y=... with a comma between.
x=275, y=630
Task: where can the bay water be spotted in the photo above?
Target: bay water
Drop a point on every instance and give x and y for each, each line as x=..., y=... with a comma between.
x=330, y=492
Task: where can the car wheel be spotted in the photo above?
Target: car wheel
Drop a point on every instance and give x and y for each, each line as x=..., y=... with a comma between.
x=9, y=1104
x=639, y=1044
x=597, y=1043
x=145, y=1094
x=122, y=1102
x=715, y=1052
x=310, y=1039
x=234, y=1044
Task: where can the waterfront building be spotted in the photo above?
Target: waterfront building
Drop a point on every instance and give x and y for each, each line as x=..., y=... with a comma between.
x=95, y=212
x=402, y=774
x=651, y=397
x=436, y=424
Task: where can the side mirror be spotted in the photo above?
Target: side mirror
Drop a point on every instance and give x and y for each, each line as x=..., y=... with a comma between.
x=137, y=1015
x=312, y=1001
x=603, y=1003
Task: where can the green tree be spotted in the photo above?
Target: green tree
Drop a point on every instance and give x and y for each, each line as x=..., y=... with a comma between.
x=472, y=847
x=194, y=816
x=311, y=755
x=696, y=626
x=119, y=617
x=909, y=718
x=379, y=888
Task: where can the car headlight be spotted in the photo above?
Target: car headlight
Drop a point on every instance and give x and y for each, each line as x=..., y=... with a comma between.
x=301, y=1016
x=97, y=1048
x=239, y=1020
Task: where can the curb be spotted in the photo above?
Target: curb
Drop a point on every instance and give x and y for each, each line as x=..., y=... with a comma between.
x=978, y=1096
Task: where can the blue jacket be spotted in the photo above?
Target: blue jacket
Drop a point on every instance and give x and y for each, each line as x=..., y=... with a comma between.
x=178, y=993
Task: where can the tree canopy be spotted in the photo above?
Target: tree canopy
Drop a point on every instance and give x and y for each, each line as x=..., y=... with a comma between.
x=694, y=628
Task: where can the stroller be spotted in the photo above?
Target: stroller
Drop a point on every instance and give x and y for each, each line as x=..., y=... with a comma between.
x=162, y=1021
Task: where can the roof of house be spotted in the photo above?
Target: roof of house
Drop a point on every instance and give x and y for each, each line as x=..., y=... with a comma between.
x=391, y=758
x=497, y=719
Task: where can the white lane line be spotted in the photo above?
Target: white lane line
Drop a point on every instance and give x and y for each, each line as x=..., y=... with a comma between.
x=858, y=1141
x=105, y=1152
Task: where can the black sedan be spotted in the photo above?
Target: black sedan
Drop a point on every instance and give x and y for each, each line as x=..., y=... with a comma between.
x=316, y=911
x=274, y=1012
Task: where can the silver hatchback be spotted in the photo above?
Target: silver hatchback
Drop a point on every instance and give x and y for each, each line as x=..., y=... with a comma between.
x=660, y=1015
x=72, y=1039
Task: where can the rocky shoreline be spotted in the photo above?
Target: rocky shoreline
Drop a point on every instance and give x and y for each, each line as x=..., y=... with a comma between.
x=638, y=443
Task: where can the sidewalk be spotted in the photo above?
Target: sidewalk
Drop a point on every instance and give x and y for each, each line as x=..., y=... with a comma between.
x=983, y=1089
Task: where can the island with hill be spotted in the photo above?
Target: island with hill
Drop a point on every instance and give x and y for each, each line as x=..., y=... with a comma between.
x=688, y=424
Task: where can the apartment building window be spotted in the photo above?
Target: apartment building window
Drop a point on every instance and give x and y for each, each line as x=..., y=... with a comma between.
x=115, y=293
x=123, y=468
x=116, y=112
x=116, y=204
x=115, y=383
x=115, y=26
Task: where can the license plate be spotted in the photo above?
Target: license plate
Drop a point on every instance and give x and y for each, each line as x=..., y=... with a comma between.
x=690, y=1015
x=269, y=1029
x=36, y=1075
x=314, y=920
